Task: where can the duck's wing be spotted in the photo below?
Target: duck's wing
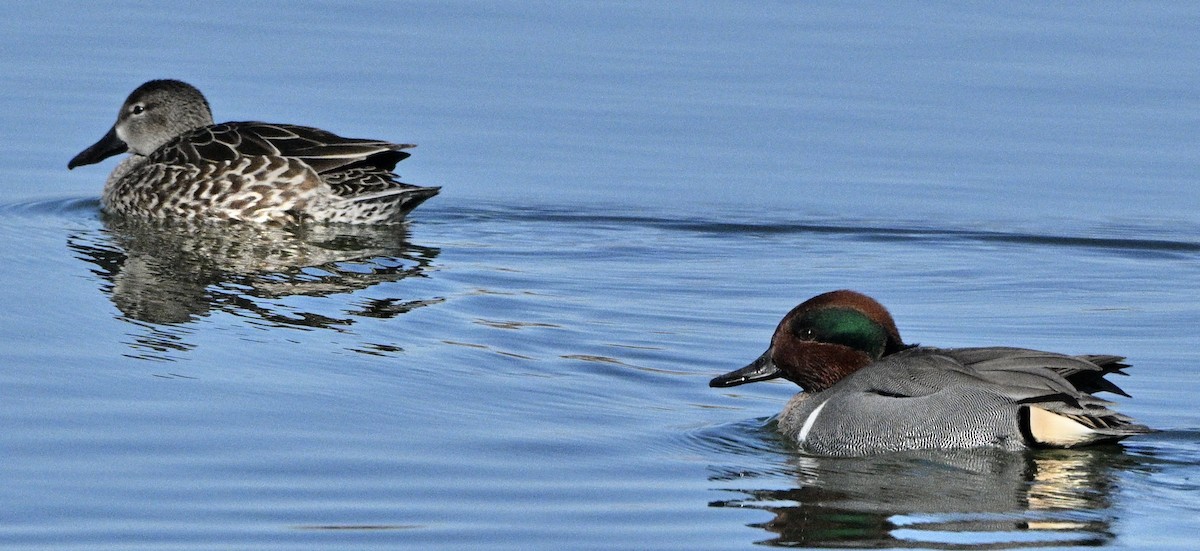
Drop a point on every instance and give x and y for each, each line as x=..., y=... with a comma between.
x=324, y=151
x=1085, y=373
x=1014, y=373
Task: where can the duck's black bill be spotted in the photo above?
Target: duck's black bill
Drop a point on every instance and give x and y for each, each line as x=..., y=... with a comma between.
x=761, y=369
x=108, y=146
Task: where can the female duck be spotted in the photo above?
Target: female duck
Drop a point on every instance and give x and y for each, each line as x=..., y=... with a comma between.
x=183, y=167
x=867, y=392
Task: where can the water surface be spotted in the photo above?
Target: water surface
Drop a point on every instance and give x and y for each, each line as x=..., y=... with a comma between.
x=632, y=197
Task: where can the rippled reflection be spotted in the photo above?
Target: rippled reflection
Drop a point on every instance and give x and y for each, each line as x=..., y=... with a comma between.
x=162, y=277
x=970, y=499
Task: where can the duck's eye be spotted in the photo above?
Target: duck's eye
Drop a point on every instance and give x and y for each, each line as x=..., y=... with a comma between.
x=805, y=333
x=137, y=109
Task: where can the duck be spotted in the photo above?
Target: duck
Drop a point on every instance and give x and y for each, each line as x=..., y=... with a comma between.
x=866, y=392
x=184, y=167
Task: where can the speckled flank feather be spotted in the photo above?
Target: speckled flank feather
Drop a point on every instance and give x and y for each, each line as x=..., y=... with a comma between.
x=252, y=189
x=184, y=167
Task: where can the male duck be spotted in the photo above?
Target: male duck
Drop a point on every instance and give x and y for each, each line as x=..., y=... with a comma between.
x=183, y=167
x=867, y=392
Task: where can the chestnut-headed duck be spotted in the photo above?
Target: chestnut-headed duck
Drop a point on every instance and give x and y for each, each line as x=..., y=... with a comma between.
x=866, y=392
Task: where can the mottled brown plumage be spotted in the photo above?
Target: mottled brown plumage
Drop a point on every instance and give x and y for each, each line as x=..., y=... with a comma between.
x=183, y=167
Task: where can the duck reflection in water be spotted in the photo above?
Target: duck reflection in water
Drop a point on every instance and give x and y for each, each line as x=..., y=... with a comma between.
x=936, y=499
x=173, y=274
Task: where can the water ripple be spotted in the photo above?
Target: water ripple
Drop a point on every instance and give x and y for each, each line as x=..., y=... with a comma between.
x=860, y=229
x=55, y=207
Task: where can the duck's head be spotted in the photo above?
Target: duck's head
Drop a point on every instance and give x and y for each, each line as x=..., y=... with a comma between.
x=822, y=340
x=154, y=114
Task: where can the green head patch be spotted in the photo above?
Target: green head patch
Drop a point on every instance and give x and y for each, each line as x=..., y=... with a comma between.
x=844, y=326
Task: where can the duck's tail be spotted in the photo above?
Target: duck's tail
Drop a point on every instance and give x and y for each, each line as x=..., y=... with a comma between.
x=392, y=204
x=1063, y=422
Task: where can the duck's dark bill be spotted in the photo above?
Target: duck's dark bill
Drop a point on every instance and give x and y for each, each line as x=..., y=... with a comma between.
x=108, y=146
x=761, y=369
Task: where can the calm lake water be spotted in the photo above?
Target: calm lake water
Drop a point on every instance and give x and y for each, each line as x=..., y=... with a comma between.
x=634, y=194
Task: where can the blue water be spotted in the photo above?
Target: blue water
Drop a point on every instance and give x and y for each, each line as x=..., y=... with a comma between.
x=633, y=195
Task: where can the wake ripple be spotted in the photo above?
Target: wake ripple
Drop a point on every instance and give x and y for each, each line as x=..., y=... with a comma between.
x=865, y=230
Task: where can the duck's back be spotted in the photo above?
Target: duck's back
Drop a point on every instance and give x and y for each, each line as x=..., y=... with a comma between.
x=322, y=150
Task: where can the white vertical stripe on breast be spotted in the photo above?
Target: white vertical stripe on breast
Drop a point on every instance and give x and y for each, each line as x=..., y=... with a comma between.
x=808, y=423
